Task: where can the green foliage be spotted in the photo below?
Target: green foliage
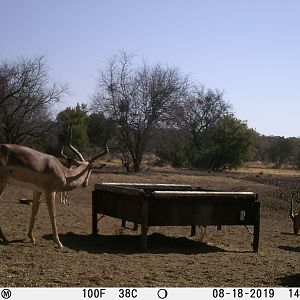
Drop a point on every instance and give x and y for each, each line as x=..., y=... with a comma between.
x=171, y=146
x=100, y=128
x=150, y=108
x=297, y=160
x=203, y=110
x=77, y=117
x=227, y=145
x=280, y=151
x=26, y=98
x=233, y=143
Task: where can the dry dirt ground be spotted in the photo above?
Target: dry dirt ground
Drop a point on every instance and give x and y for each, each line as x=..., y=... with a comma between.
x=174, y=259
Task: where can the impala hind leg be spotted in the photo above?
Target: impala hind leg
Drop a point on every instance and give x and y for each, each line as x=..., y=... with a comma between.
x=34, y=210
x=50, y=198
x=3, y=182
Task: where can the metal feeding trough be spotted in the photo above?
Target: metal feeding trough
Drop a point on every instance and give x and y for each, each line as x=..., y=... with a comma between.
x=174, y=205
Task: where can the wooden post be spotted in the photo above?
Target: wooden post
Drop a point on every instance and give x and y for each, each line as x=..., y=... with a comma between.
x=256, y=227
x=144, y=229
x=94, y=214
x=123, y=223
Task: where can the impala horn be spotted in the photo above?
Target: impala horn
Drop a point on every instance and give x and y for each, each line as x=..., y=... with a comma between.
x=62, y=153
x=79, y=155
x=106, y=151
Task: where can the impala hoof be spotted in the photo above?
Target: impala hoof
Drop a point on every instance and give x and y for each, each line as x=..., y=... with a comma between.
x=32, y=239
x=59, y=244
x=4, y=241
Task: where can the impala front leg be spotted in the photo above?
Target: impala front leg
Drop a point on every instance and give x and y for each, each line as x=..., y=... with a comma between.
x=50, y=198
x=34, y=210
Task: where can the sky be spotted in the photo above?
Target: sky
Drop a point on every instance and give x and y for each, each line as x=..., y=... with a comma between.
x=248, y=49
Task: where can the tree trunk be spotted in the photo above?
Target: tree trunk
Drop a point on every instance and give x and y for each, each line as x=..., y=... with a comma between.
x=137, y=161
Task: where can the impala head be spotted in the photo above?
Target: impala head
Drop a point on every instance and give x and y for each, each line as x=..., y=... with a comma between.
x=67, y=161
x=295, y=219
x=87, y=166
x=81, y=161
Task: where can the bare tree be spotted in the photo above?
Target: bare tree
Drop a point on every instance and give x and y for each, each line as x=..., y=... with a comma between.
x=202, y=109
x=26, y=96
x=138, y=99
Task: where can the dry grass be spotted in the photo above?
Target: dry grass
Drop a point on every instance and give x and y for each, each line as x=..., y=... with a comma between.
x=271, y=171
x=222, y=258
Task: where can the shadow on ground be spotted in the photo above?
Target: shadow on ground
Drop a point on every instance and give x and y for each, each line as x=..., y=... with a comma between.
x=290, y=280
x=288, y=248
x=130, y=244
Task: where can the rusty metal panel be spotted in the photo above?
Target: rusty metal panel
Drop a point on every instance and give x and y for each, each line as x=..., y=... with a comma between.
x=118, y=205
x=206, y=195
x=204, y=210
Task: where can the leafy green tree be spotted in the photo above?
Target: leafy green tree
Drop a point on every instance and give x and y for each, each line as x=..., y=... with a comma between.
x=77, y=117
x=100, y=129
x=232, y=143
x=170, y=146
x=262, y=147
x=202, y=110
x=297, y=160
x=280, y=151
x=294, y=157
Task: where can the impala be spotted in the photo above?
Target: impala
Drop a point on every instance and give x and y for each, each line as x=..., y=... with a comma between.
x=23, y=166
x=295, y=218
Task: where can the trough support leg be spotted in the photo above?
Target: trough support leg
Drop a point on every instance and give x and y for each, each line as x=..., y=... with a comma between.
x=193, y=230
x=123, y=223
x=94, y=214
x=144, y=229
x=256, y=227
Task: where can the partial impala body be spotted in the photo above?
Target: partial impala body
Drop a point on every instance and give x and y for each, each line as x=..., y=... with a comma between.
x=295, y=219
x=23, y=166
x=69, y=163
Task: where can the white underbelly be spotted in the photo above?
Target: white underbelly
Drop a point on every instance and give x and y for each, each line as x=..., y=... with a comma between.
x=23, y=184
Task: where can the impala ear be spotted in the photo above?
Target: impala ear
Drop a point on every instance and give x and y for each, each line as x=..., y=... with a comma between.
x=76, y=162
x=98, y=166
